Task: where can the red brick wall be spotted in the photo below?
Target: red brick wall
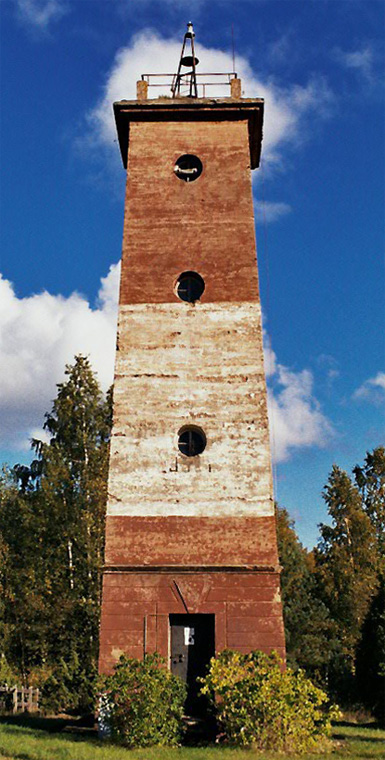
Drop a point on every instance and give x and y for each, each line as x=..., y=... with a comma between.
x=173, y=226
x=246, y=605
x=191, y=541
x=215, y=514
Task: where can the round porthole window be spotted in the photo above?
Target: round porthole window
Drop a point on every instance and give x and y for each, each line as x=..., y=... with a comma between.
x=191, y=441
x=189, y=286
x=188, y=167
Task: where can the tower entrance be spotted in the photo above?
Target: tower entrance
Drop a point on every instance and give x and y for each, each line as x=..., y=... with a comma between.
x=192, y=646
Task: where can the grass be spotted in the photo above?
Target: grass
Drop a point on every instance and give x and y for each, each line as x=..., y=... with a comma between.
x=56, y=739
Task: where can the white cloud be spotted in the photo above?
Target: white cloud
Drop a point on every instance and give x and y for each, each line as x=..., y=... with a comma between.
x=296, y=419
x=286, y=108
x=329, y=367
x=372, y=390
x=41, y=13
x=269, y=356
x=39, y=334
x=268, y=211
x=362, y=61
x=282, y=49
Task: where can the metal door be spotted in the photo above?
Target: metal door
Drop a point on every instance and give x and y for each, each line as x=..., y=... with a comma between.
x=192, y=646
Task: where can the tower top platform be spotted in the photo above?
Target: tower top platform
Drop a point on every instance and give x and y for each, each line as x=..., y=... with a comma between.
x=192, y=109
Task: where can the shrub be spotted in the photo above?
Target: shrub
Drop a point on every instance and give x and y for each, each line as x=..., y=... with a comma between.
x=7, y=674
x=144, y=703
x=69, y=688
x=258, y=702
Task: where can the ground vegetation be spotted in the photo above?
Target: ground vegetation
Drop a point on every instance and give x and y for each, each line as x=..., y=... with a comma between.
x=36, y=739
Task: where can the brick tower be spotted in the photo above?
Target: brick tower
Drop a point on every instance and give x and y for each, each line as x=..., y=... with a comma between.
x=191, y=563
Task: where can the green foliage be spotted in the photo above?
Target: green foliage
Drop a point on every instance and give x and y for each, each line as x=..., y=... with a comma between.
x=309, y=629
x=69, y=688
x=24, y=576
x=346, y=564
x=52, y=541
x=370, y=657
x=7, y=674
x=370, y=480
x=259, y=703
x=145, y=702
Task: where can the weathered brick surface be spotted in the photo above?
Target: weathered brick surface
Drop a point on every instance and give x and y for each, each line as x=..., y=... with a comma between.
x=179, y=364
x=243, y=625
x=182, y=540
x=171, y=226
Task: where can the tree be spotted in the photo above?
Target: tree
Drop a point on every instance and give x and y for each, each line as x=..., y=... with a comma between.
x=346, y=569
x=370, y=657
x=370, y=480
x=53, y=530
x=309, y=629
x=24, y=620
x=73, y=487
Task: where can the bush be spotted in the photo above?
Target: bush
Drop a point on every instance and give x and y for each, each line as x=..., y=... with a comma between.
x=7, y=674
x=259, y=703
x=143, y=703
x=69, y=688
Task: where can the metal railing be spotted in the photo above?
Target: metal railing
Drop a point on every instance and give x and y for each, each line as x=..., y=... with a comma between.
x=202, y=85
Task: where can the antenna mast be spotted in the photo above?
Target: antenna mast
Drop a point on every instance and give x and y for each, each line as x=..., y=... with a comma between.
x=233, y=46
x=186, y=78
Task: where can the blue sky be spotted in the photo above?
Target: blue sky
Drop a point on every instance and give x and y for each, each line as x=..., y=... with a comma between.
x=319, y=200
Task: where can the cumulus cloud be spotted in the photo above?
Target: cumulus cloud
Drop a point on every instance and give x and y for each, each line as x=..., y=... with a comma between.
x=296, y=419
x=286, y=108
x=372, y=390
x=39, y=334
x=41, y=13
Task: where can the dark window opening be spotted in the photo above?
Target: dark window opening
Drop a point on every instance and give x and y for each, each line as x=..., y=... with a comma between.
x=191, y=441
x=188, y=167
x=190, y=286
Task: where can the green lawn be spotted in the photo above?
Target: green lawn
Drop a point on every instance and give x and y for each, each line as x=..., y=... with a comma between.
x=21, y=739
